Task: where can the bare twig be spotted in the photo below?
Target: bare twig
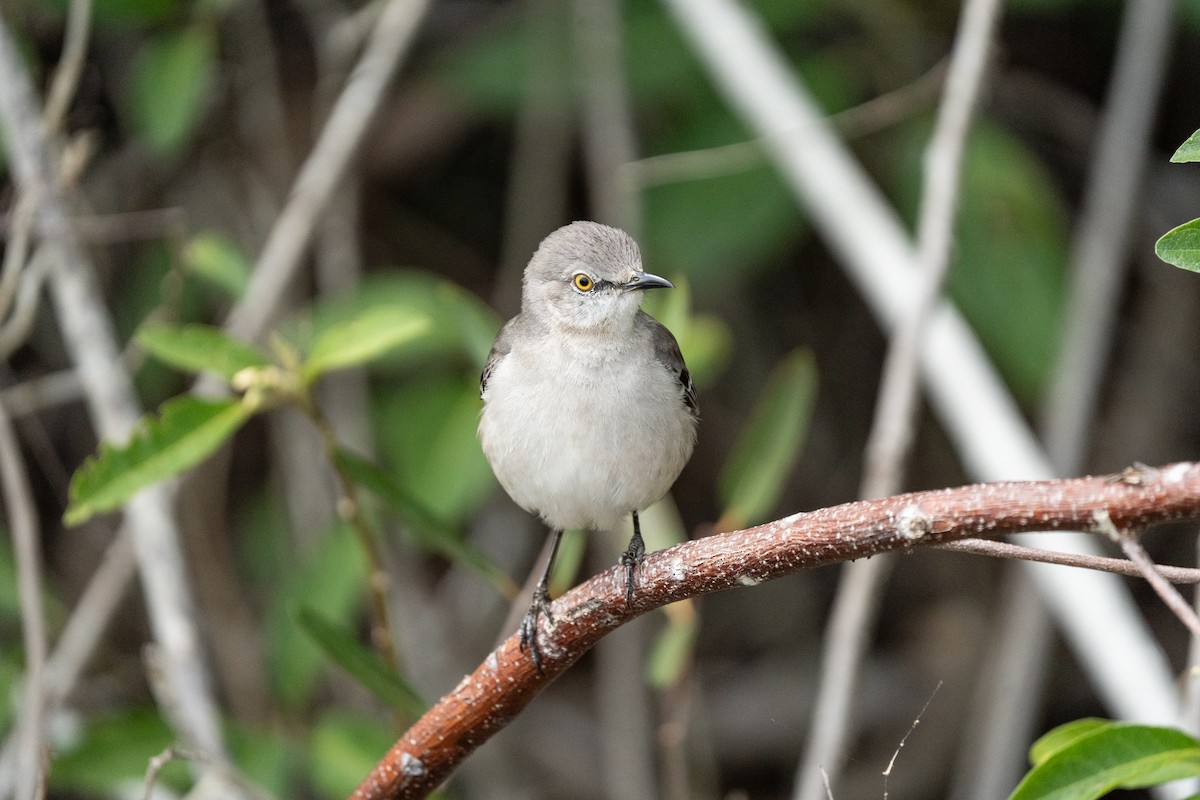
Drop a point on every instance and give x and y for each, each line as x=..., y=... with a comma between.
x=888, y=444
x=863, y=231
x=23, y=522
x=1137, y=554
x=70, y=65
x=45, y=391
x=123, y=226
x=1188, y=576
x=486, y=701
x=324, y=167
x=20, y=219
x=24, y=311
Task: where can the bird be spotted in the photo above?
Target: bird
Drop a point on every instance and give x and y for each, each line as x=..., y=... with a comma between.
x=589, y=413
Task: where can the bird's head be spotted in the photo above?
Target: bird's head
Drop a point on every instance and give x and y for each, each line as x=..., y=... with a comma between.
x=587, y=276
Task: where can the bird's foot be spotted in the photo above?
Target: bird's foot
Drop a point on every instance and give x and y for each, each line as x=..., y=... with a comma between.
x=631, y=559
x=529, y=626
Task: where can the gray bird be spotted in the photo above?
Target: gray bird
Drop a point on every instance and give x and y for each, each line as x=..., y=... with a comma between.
x=588, y=408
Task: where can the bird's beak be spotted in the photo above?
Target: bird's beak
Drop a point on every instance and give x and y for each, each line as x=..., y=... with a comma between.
x=644, y=280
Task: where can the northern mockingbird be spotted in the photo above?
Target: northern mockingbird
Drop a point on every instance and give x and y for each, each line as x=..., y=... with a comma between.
x=588, y=409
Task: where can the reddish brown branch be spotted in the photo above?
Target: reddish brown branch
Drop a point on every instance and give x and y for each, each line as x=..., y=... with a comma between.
x=506, y=681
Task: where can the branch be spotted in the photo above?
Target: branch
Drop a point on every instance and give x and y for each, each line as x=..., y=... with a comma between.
x=487, y=700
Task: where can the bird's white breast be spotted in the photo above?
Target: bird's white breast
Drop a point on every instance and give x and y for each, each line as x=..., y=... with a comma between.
x=583, y=435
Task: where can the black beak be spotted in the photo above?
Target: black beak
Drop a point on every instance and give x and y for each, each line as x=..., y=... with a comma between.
x=644, y=280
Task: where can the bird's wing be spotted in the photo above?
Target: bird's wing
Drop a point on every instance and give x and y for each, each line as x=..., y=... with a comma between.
x=666, y=351
x=500, y=348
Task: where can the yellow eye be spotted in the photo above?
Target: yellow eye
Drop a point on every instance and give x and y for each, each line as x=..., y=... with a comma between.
x=584, y=283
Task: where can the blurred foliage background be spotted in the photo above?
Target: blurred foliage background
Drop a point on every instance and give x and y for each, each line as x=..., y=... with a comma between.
x=190, y=121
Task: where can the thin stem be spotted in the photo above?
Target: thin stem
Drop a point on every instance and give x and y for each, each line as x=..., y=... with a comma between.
x=1118, y=566
x=350, y=510
x=23, y=522
x=70, y=66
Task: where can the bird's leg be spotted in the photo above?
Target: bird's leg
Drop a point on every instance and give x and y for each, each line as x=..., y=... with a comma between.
x=634, y=555
x=540, y=605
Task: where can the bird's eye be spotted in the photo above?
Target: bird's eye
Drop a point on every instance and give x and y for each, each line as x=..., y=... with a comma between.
x=584, y=282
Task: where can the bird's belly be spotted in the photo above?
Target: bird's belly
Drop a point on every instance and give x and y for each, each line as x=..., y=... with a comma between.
x=579, y=453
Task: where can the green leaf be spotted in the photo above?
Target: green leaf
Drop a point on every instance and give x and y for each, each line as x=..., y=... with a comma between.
x=430, y=532
x=753, y=477
x=1188, y=151
x=216, y=259
x=1088, y=760
x=1180, y=247
x=364, y=665
x=1062, y=736
x=199, y=348
x=366, y=337
x=672, y=652
x=171, y=82
x=461, y=327
x=186, y=430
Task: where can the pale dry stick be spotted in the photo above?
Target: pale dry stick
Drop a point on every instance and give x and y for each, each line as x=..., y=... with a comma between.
x=45, y=391
x=866, y=236
x=120, y=226
x=624, y=708
x=26, y=534
x=91, y=342
x=507, y=680
x=324, y=167
x=999, y=734
x=20, y=219
x=856, y=603
x=70, y=64
x=19, y=323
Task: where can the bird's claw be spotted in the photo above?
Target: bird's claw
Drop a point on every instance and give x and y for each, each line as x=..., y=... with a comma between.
x=529, y=626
